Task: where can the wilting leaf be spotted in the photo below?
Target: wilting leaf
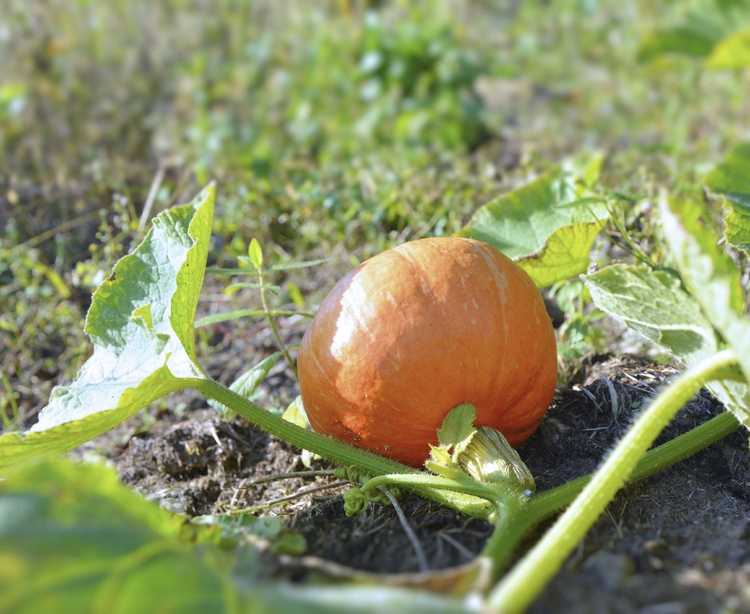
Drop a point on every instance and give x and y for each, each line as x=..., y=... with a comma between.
x=712, y=278
x=654, y=304
x=141, y=326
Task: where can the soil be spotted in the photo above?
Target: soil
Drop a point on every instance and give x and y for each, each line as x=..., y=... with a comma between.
x=676, y=543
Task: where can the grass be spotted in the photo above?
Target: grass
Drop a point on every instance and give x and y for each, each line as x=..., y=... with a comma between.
x=332, y=128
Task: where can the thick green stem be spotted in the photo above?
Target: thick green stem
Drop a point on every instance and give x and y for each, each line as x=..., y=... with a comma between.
x=332, y=449
x=525, y=581
x=511, y=528
x=511, y=525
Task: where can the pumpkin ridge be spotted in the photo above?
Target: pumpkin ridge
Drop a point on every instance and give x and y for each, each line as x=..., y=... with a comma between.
x=491, y=264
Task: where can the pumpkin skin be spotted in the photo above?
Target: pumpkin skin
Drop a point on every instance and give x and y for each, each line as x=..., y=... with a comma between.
x=418, y=329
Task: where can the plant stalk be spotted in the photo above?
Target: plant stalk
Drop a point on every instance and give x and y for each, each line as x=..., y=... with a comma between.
x=511, y=528
x=514, y=516
x=272, y=323
x=533, y=572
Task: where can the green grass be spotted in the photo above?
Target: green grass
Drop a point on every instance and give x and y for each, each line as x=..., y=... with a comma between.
x=332, y=127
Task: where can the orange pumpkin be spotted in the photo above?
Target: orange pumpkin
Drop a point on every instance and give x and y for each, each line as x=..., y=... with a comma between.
x=419, y=329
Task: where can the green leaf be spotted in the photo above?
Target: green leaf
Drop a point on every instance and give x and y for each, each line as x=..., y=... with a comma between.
x=654, y=304
x=565, y=255
x=229, y=271
x=296, y=414
x=712, y=278
x=247, y=383
x=255, y=252
x=264, y=531
x=237, y=314
x=547, y=226
x=691, y=39
x=233, y=288
x=732, y=52
x=458, y=426
x=697, y=32
x=737, y=228
x=73, y=539
x=295, y=295
x=457, y=429
x=731, y=178
x=141, y=325
x=284, y=266
x=302, y=264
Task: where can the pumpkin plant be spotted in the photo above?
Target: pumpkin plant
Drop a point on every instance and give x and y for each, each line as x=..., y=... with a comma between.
x=474, y=334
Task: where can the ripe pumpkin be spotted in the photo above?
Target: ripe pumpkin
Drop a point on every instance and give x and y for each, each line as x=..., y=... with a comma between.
x=419, y=329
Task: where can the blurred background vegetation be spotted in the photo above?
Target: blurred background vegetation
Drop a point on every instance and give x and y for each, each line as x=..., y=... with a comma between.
x=333, y=129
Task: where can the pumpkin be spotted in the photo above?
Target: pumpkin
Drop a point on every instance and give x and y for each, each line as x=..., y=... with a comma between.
x=418, y=329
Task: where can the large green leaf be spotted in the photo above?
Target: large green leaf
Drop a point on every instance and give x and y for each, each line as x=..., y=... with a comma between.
x=711, y=277
x=547, y=226
x=141, y=326
x=654, y=304
x=73, y=539
x=69, y=533
x=732, y=179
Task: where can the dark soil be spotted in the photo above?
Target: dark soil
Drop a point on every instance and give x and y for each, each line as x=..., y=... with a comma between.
x=678, y=542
